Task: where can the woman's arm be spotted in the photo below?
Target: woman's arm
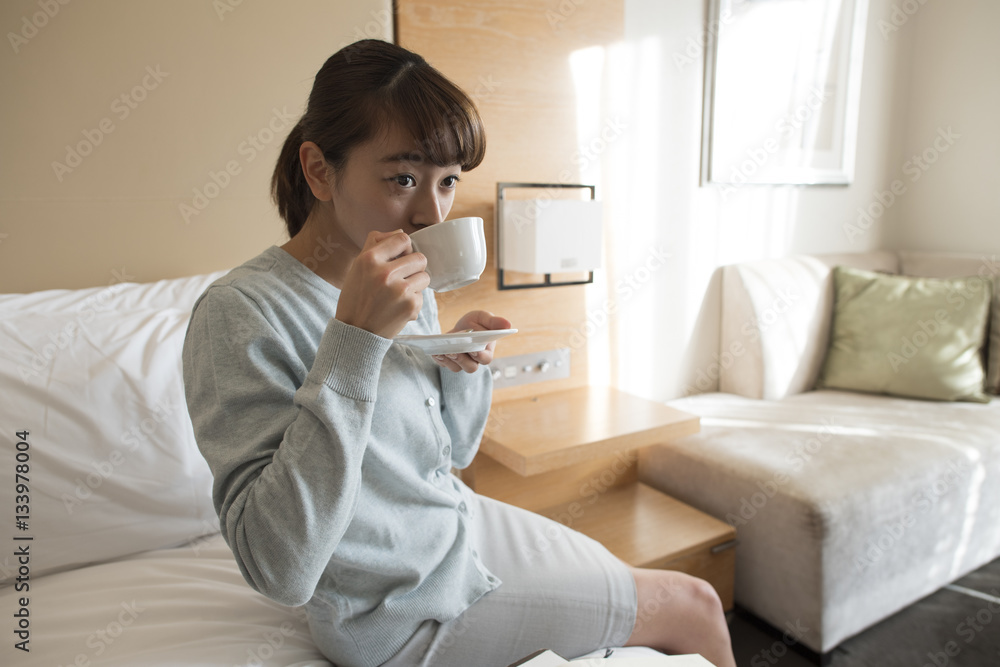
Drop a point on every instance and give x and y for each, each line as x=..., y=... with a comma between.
x=286, y=459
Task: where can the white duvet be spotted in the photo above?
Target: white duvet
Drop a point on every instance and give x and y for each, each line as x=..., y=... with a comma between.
x=182, y=606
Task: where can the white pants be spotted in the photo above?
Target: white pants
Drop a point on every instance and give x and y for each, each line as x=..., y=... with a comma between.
x=561, y=590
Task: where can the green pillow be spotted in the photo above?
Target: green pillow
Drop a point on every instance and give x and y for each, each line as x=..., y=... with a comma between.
x=905, y=336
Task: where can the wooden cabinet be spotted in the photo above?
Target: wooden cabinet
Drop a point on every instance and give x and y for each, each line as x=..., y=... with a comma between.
x=571, y=455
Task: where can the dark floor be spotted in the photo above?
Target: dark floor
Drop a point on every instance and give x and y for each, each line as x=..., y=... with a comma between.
x=958, y=626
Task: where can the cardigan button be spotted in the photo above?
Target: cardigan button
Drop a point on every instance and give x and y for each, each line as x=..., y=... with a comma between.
x=430, y=402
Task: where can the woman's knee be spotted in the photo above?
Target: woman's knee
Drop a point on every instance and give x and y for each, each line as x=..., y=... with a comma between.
x=703, y=594
x=665, y=591
x=679, y=613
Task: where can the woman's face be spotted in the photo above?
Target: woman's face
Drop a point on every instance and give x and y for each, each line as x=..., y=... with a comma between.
x=388, y=184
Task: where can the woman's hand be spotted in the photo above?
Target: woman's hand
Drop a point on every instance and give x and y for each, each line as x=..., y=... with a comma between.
x=480, y=320
x=382, y=290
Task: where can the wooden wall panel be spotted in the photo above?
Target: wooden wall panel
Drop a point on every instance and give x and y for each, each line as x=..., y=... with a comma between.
x=513, y=58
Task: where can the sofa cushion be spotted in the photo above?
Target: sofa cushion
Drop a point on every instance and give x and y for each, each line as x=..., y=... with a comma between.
x=908, y=336
x=948, y=265
x=847, y=506
x=94, y=377
x=776, y=319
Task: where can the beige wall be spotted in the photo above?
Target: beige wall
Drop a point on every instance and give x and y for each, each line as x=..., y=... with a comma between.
x=117, y=112
x=951, y=178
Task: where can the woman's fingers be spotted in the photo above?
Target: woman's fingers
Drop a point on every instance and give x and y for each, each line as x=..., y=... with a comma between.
x=479, y=320
x=457, y=362
x=382, y=290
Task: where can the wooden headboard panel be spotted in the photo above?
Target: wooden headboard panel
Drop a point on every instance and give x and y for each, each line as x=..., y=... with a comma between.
x=514, y=59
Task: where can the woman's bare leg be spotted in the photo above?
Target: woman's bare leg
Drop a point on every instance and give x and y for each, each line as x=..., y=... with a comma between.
x=678, y=613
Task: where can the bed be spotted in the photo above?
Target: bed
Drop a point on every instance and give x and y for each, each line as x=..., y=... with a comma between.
x=113, y=554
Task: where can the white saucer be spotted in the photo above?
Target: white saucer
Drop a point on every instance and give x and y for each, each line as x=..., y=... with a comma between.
x=454, y=343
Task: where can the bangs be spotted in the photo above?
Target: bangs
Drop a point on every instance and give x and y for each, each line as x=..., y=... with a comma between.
x=439, y=116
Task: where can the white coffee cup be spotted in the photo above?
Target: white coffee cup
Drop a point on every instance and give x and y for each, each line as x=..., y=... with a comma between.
x=455, y=252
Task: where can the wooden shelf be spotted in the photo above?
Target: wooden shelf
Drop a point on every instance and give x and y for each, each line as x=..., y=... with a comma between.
x=642, y=526
x=570, y=455
x=540, y=433
x=649, y=529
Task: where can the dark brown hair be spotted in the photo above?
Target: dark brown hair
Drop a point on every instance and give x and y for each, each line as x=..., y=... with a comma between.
x=362, y=90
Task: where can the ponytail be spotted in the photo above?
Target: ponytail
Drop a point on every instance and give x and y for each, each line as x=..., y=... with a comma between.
x=289, y=188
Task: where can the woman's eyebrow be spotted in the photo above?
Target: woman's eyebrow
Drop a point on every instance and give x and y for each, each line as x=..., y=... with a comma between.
x=407, y=156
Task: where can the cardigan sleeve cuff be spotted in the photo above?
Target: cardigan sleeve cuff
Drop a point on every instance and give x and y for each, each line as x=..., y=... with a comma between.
x=349, y=360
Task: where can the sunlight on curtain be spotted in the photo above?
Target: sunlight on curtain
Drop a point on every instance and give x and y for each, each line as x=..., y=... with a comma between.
x=619, y=117
x=639, y=140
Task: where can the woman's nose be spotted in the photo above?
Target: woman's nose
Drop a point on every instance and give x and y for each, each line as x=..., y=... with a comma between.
x=429, y=210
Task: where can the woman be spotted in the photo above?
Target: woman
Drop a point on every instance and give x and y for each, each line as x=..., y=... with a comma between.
x=332, y=446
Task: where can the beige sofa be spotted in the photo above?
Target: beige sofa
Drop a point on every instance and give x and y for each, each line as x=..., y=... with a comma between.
x=848, y=506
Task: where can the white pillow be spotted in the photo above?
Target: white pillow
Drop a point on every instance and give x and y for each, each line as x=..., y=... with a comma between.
x=94, y=377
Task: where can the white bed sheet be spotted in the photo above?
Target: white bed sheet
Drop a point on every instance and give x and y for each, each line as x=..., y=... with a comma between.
x=170, y=607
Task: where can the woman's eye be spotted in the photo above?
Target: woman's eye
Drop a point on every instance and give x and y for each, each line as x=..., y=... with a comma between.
x=450, y=181
x=405, y=180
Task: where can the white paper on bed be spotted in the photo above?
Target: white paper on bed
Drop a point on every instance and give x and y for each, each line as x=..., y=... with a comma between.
x=629, y=656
